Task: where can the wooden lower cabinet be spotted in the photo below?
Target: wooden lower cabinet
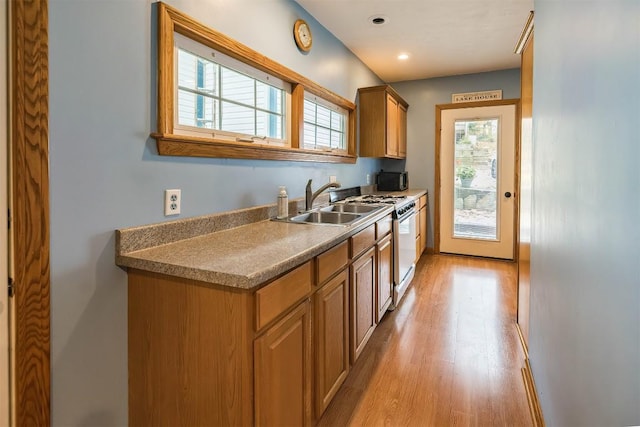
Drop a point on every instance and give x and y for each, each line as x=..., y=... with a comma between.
x=385, y=276
x=331, y=319
x=423, y=228
x=202, y=354
x=363, y=301
x=282, y=369
x=421, y=235
x=190, y=352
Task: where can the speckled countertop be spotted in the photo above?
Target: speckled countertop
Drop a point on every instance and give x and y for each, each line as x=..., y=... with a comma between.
x=241, y=249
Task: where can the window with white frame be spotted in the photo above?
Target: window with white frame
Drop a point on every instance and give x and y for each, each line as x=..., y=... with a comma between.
x=325, y=125
x=219, y=95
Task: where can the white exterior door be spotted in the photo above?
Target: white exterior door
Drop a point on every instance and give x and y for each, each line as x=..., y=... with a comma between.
x=477, y=181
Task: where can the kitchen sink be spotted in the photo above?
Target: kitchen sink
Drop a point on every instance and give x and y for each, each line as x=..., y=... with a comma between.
x=340, y=214
x=322, y=217
x=352, y=208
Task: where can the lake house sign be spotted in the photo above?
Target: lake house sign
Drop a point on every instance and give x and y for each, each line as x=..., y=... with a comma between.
x=490, y=95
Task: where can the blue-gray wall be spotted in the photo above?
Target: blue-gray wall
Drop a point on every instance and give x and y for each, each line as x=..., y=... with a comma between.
x=584, y=342
x=423, y=96
x=105, y=173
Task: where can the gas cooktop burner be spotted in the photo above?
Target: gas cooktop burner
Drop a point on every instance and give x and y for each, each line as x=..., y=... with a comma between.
x=376, y=198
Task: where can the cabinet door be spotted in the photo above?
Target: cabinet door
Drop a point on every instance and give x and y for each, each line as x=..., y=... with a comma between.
x=392, y=127
x=385, y=277
x=423, y=228
x=331, y=318
x=362, y=284
x=402, y=131
x=282, y=364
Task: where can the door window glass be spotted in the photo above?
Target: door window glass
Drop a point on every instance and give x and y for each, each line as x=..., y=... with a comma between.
x=476, y=171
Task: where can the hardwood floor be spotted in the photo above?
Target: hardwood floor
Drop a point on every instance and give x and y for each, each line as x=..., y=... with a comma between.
x=448, y=355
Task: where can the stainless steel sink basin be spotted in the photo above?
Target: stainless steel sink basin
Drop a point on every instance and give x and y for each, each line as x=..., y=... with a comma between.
x=353, y=208
x=321, y=217
x=340, y=214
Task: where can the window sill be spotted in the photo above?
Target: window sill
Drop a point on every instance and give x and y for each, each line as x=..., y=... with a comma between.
x=192, y=146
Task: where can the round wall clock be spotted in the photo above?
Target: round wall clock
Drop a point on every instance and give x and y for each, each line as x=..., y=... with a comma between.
x=302, y=35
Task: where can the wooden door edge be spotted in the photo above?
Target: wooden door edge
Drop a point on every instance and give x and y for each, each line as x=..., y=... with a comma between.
x=29, y=171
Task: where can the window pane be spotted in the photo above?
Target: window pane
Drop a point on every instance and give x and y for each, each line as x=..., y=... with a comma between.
x=268, y=97
x=336, y=121
x=196, y=110
x=323, y=139
x=336, y=140
x=269, y=125
x=309, y=135
x=309, y=111
x=216, y=91
x=324, y=128
x=237, y=87
x=237, y=118
x=323, y=116
x=196, y=73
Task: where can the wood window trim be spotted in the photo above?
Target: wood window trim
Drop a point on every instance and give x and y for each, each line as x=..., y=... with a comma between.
x=169, y=143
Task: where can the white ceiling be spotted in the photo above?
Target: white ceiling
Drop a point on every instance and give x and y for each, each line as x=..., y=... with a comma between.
x=441, y=37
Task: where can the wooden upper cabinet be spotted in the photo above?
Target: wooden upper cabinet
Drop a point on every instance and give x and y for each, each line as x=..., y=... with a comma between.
x=402, y=131
x=391, y=149
x=383, y=122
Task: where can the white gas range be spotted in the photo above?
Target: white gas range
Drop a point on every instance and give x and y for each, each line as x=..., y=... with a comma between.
x=404, y=235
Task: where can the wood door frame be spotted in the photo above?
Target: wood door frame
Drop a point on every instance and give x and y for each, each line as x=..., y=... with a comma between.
x=29, y=204
x=5, y=310
x=436, y=212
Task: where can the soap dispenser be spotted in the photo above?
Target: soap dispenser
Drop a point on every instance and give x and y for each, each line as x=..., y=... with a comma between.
x=283, y=203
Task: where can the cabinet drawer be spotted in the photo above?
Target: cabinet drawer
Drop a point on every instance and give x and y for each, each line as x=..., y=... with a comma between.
x=275, y=298
x=383, y=227
x=363, y=240
x=332, y=261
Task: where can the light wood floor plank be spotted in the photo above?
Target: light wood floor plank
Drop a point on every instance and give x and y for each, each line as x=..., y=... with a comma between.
x=449, y=355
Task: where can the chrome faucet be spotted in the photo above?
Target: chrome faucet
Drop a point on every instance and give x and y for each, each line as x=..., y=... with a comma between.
x=310, y=196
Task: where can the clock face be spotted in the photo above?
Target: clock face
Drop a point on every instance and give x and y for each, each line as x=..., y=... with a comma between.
x=302, y=35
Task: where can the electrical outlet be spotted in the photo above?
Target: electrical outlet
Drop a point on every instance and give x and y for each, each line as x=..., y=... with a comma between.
x=332, y=178
x=171, y=202
x=368, y=179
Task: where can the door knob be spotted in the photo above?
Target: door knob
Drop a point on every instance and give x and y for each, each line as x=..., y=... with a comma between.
x=507, y=194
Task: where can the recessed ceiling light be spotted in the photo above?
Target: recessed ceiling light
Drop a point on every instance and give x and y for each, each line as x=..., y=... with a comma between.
x=403, y=57
x=378, y=19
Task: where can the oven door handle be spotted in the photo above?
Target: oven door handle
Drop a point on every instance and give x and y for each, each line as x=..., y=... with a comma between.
x=403, y=218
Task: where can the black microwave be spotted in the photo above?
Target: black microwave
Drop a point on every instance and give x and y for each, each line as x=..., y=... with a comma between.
x=392, y=181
